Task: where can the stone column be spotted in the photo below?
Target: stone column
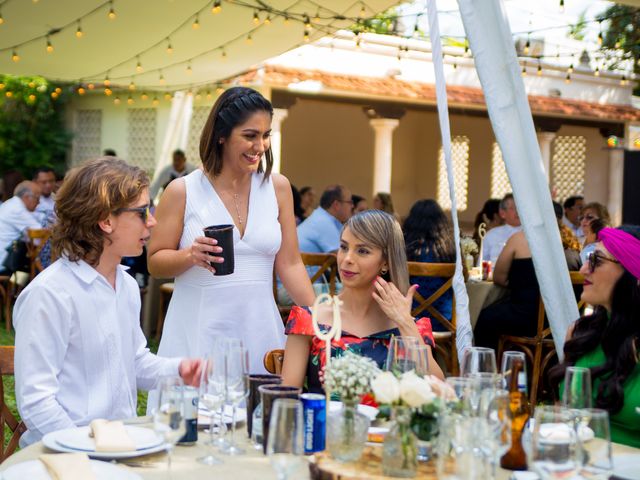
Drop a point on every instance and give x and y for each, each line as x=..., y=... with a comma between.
x=616, y=181
x=279, y=114
x=382, y=163
x=545, y=140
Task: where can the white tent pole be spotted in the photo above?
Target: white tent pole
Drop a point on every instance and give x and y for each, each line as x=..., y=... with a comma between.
x=464, y=333
x=491, y=43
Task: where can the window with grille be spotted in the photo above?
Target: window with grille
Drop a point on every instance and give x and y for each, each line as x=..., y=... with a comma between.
x=568, y=165
x=198, y=119
x=460, y=157
x=500, y=184
x=141, y=123
x=87, y=135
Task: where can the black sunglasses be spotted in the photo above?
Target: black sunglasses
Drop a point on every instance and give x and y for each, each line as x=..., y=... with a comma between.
x=586, y=217
x=142, y=211
x=596, y=258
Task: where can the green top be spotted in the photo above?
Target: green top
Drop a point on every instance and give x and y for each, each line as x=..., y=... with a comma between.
x=625, y=425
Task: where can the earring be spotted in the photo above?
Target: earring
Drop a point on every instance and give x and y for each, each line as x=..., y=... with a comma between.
x=383, y=271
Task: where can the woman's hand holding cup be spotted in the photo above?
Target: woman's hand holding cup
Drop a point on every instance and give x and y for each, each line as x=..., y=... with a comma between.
x=202, y=253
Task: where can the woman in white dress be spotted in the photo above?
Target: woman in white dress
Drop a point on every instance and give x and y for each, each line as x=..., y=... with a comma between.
x=233, y=188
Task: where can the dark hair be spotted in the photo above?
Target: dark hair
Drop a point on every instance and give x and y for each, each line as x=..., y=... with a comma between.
x=571, y=201
x=109, y=152
x=40, y=170
x=356, y=199
x=231, y=109
x=330, y=195
x=505, y=199
x=557, y=209
x=490, y=209
x=297, y=208
x=178, y=152
x=617, y=333
x=427, y=227
x=304, y=190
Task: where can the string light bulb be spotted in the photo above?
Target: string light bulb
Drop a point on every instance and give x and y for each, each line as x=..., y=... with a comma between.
x=189, y=70
x=116, y=101
x=561, y=6
x=144, y=96
x=139, y=68
x=54, y=95
x=539, y=72
x=9, y=94
x=32, y=98
x=106, y=81
x=527, y=46
x=130, y=100
x=167, y=96
x=363, y=11
x=219, y=89
x=112, y=13
x=466, y=53
x=161, y=79
x=91, y=86
x=307, y=21
x=217, y=7
x=58, y=90
x=196, y=23
x=209, y=96
x=316, y=18
x=623, y=80
x=249, y=39
x=223, y=54
x=306, y=36
x=81, y=91
x=169, y=47
x=597, y=71
x=2, y=85
x=286, y=20
x=79, y=32
x=256, y=18
x=198, y=96
x=570, y=69
x=600, y=38
x=524, y=69
x=567, y=79
x=155, y=101
x=267, y=20
x=108, y=92
x=132, y=86
x=1, y=19
x=14, y=56
x=618, y=42
x=49, y=45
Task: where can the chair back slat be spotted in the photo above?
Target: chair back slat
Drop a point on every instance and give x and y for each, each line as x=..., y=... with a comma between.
x=273, y=361
x=15, y=426
x=36, y=239
x=327, y=265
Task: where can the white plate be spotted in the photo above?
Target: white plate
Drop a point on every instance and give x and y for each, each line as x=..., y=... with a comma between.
x=560, y=432
x=79, y=439
x=35, y=470
x=367, y=410
x=627, y=466
x=50, y=441
x=204, y=417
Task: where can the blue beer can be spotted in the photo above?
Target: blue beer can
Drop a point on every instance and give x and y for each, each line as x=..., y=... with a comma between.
x=191, y=396
x=315, y=421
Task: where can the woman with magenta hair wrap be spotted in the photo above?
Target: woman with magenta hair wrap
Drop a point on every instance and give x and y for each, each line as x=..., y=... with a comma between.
x=607, y=341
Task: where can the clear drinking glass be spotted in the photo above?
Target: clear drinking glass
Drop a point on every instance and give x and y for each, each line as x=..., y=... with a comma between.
x=598, y=463
x=576, y=397
x=478, y=383
x=224, y=344
x=508, y=358
x=399, y=358
x=285, y=445
x=168, y=416
x=237, y=389
x=212, y=394
x=554, y=444
x=477, y=360
x=497, y=439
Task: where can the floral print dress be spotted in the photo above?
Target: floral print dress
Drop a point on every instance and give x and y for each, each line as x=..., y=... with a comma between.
x=374, y=346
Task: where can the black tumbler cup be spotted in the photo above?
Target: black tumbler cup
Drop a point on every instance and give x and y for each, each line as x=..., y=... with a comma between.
x=224, y=235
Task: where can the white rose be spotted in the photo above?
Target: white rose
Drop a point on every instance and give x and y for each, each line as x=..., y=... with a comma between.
x=386, y=388
x=415, y=391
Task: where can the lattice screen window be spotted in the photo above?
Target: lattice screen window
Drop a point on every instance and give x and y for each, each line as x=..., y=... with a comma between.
x=568, y=165
x=460, y=156
x=500, y=184
x=87, y=135
x=198, y=119
x=141, y=129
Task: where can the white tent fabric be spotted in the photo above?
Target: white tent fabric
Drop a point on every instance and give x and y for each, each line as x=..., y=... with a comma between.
x=490, y=40
x=132, y=47
x=464, y=334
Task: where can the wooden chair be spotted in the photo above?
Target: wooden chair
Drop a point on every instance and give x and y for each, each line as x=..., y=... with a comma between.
x=166, y=290
x=36, y=239
x=540, y=349
x=9, y=290
x=15, y=427
x=445, y=341
x=273, y=361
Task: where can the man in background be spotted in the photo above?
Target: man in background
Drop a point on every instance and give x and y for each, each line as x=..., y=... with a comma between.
x=16, y=216
x=497, y=237
x=178, y=168
x=45, y=178
x=572, y=211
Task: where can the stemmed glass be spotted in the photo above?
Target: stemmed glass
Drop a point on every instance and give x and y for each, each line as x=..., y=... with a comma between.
x=508, y=359
x=237, y=388
x=497, y=438
x=212, y=394
x=479, y=383
x=477, y=360
x=576, y=397
x=285, y=445
x=598, y=463
x=400, y=358
x=223, y=344
x=168, y=416
x=554, y=443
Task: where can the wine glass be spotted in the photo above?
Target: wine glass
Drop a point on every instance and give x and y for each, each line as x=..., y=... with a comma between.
x=168, y=416
x=285, y=445
x=237, y=388
x=497, y=438
x=212, y=394
x=598, y=463
x=399, y=356
x=223, y=344
x=508, y=358
x=478, y=359
x=478, y=383
x=554, y=443
x=576, y=397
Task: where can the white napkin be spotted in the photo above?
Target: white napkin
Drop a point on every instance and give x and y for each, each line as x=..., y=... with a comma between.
x=111, y=436
x=67, y=466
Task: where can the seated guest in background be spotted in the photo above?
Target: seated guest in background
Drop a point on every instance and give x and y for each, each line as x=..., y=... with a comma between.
x=178, y=168
x=16, y=216
x=497, y=237
x=570, y=243
x=307, y=201
x=594, y=217
x=320, y=233
x=376, y=303
x=428, y=237
x=298, y=211
x=382, y=201
x=109, y=152
x=572, y=211
x=607, y=342
x=45, y=177
x=489, y=215
x=519, y=314
x=80, y=353
x=359, y=204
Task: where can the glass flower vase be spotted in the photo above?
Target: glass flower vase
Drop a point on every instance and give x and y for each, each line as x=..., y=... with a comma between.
x=347, y=432
x=400, y=451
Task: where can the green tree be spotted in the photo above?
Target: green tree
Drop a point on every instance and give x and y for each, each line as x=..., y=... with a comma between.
x=621, y=37
x=385, y=23
x=32, y=128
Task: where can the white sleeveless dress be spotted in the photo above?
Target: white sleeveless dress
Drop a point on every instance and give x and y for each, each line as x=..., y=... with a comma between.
x=240, y=305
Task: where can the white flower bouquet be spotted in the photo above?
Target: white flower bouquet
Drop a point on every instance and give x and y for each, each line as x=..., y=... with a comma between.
x=468, y=246
x=350, y=376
